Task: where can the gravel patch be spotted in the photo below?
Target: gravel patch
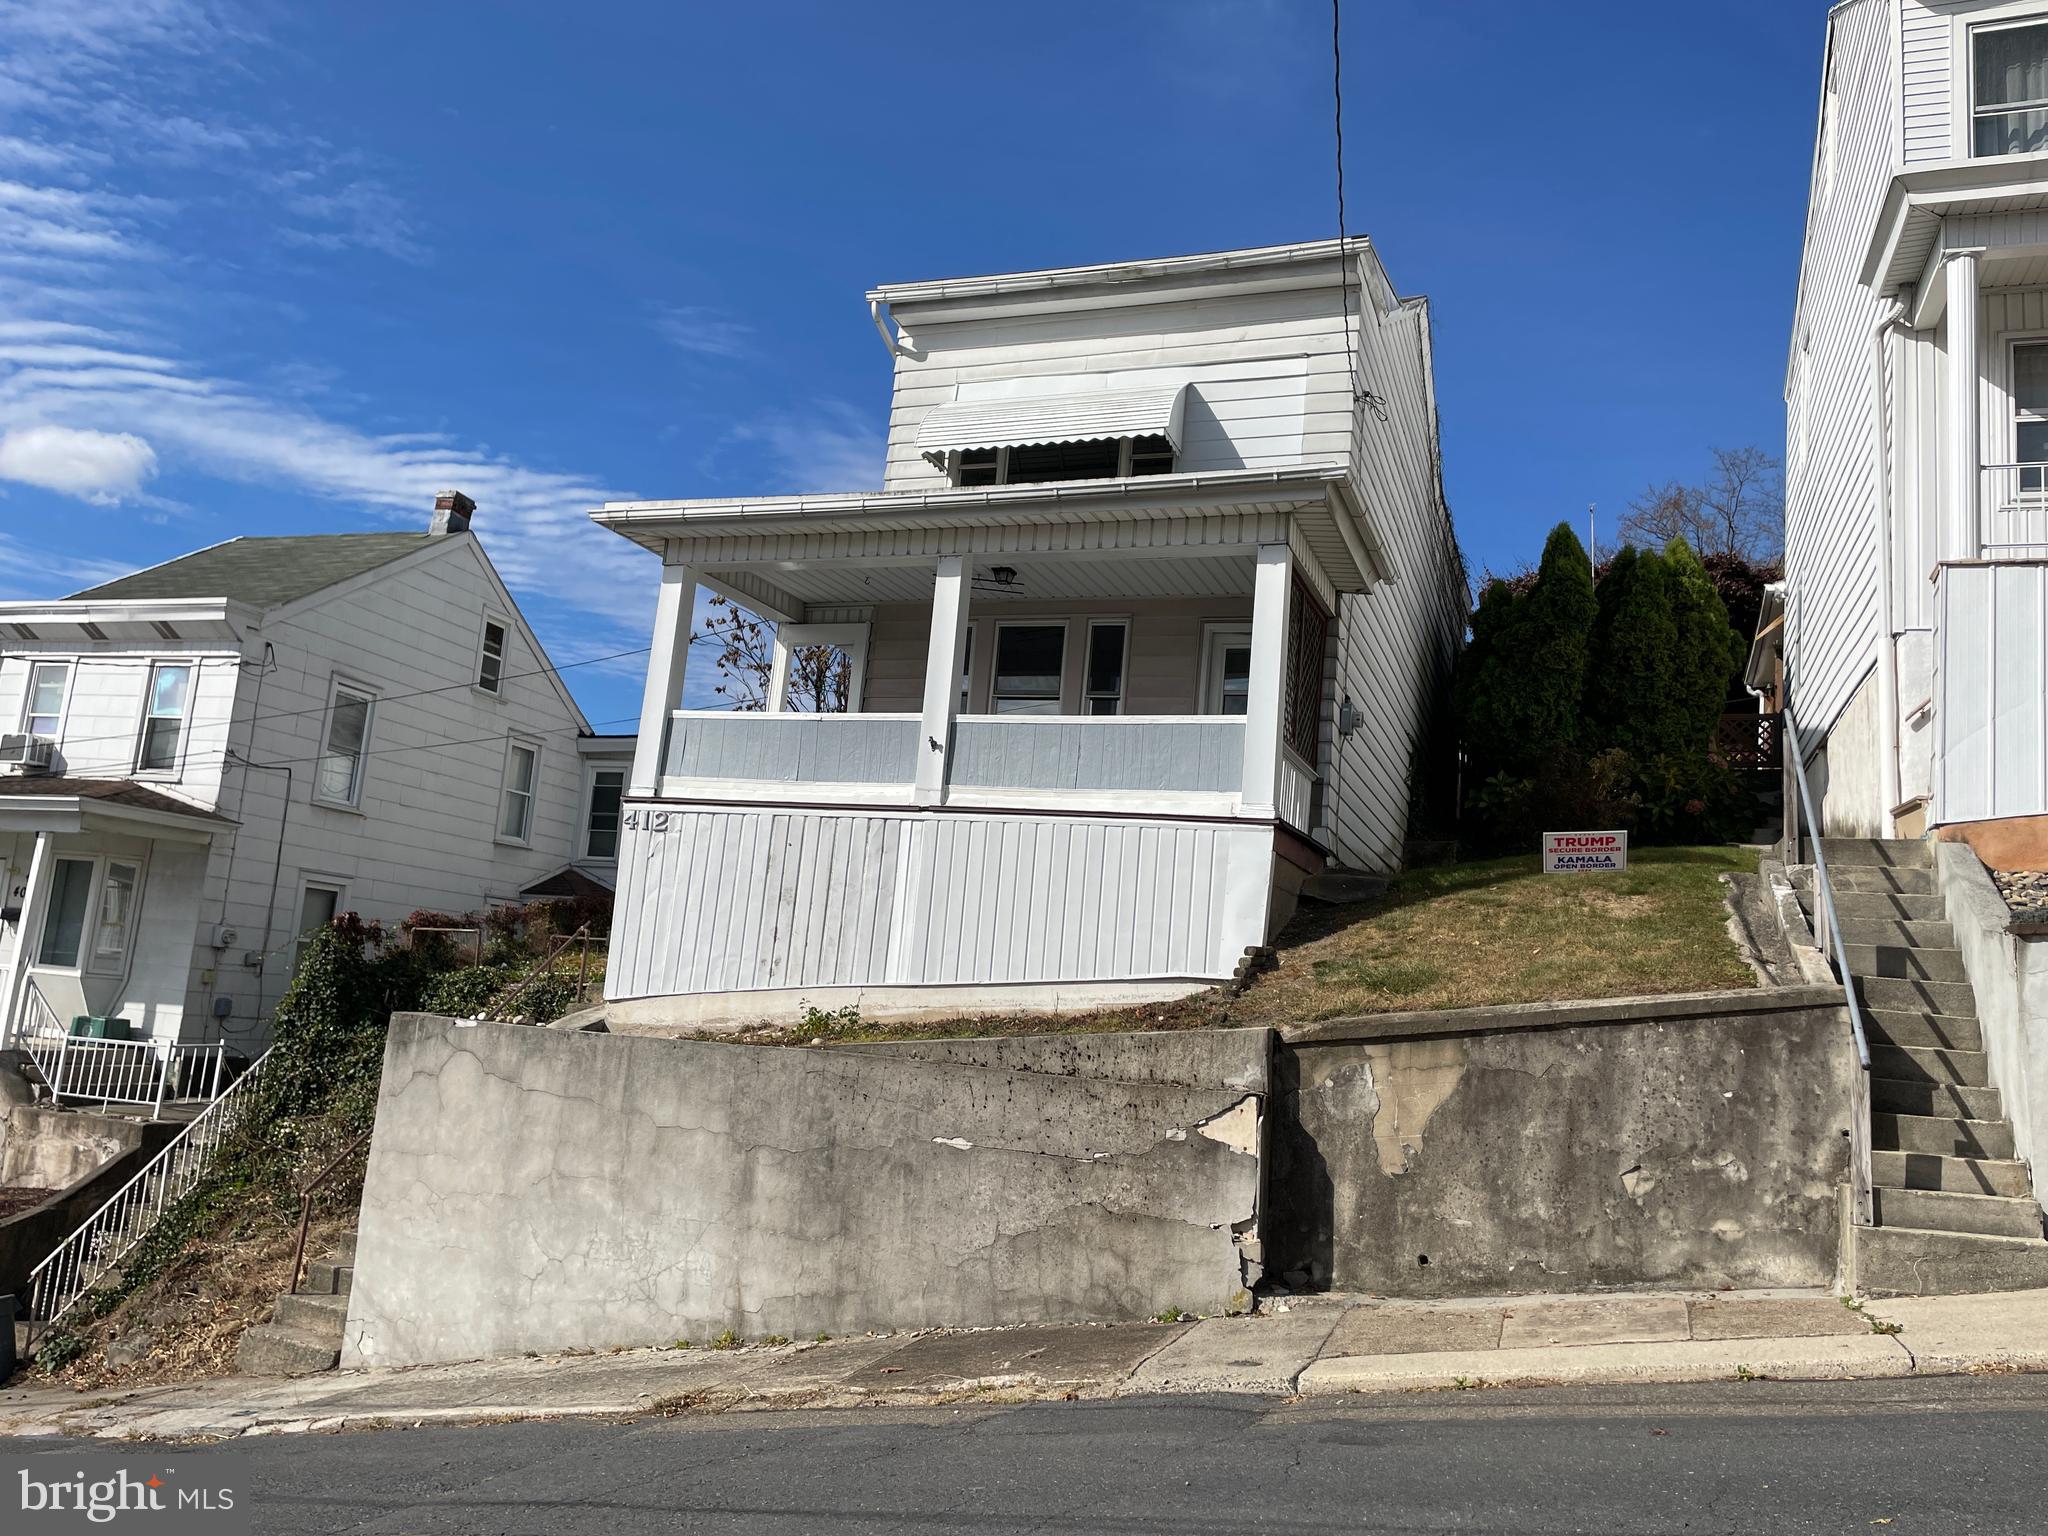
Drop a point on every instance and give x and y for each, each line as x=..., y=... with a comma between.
x=2025, y=892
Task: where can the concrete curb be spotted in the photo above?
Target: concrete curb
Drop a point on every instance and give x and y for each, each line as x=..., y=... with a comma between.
x=1856, y=1358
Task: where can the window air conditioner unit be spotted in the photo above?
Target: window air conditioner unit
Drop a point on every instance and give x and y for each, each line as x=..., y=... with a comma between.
x=24, y=754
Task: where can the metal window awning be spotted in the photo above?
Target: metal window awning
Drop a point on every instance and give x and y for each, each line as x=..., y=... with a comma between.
x=1021, y=423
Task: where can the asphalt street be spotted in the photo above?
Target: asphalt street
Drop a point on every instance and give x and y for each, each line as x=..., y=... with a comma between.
x=1961, y=1457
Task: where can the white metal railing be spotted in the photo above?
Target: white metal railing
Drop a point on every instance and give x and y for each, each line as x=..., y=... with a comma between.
x=1829, y=924
x=86, y=1069
x=2013, y=510
x=110, y=1234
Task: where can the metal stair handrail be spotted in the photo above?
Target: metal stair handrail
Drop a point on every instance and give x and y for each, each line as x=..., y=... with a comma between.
x=1830, y=924
x=110, y=1234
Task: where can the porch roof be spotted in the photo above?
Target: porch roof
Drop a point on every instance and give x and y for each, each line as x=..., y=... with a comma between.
x=30, y=803
x=1320, y=497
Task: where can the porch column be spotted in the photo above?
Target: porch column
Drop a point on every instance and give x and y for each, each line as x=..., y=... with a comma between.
x=1266, y=701
x=674, y=611
x=942, y=660
x=1960, y=528
x=34, y=901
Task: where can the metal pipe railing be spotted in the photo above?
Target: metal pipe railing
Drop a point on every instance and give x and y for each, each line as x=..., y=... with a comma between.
x=106, y=1238
x=2013, y=509
x=89, y=1069
x=1829, y=922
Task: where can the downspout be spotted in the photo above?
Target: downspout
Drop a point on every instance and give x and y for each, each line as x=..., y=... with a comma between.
x=1888, y=638
x=879, y=313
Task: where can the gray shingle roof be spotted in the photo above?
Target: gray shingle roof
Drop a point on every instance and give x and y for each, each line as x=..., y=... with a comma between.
x=263, y=572
x=115, y=791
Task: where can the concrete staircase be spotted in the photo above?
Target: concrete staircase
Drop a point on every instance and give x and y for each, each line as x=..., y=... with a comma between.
x=304, y=1332
x=1954, y=1211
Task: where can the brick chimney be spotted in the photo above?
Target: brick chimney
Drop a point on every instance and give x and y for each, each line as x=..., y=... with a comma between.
x=451, y=513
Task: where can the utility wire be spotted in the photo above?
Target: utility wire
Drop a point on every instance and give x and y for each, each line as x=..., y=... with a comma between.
x=1360, y=395
x=66, y=742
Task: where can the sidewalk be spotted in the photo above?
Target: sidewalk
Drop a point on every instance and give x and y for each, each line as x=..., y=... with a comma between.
x=1316, y=1346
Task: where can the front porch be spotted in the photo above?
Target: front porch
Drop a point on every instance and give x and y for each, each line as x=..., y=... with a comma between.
x=1070, y=754
x=104, y=886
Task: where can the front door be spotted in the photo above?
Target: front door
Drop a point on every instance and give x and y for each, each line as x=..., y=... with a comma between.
x=1226, y=669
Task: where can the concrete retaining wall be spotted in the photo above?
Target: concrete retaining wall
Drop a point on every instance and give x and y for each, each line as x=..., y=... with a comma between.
x=1682, y=1141
x=82, y=1159
x=535, y=1189
x=2009, y=976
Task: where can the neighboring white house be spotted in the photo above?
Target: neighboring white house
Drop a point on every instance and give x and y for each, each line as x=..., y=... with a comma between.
x=206, y=759
x=1916, y=597
x=1144, y=627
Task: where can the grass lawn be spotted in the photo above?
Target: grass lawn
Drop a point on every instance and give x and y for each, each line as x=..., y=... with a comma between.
x=1456, y=936
x=1497, y=931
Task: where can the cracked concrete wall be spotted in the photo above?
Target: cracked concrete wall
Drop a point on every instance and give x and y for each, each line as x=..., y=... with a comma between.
x=535, y=1189
x=1697, y=1151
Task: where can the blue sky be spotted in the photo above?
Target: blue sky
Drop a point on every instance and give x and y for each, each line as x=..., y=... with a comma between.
x=268, y=267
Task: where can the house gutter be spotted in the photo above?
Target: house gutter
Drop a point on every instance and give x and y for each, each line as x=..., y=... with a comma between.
x=1888, y=639
x=878, y=311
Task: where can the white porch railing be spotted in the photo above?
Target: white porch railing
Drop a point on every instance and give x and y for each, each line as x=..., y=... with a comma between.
x=1116, y=754
x=82, y=1069
x=2014, y=511
x=110, y=1234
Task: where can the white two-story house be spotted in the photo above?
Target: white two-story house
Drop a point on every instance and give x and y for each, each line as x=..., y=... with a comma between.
x=1142, y=628
x=203, y=761
x=1916, y=602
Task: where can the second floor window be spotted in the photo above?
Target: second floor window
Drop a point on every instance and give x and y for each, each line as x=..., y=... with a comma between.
x=1101, y=458
x=163, y=721
x=490, y=667
x=339, y=780
x=44, y=716
x=2009, y=89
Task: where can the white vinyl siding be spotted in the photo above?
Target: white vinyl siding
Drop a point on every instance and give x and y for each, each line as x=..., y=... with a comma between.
x=1926, y=42
x=1266, y=375
x=903, y=899
x=1831, y=557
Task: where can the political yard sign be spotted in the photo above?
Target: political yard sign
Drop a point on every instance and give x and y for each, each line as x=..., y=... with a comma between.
x=1584, y=853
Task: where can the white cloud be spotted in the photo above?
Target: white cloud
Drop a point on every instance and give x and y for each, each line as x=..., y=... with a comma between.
x=832, y=447
x=701, y=329
x=100, y=467
x=28, y=572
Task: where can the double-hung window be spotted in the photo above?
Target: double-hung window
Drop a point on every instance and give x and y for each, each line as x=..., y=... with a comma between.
x=601, y=827
x=2009, y=89
x=44, y=716
x=515, y=802
x=163, y=719
x=2030, y=416
x=1029, y=661
x=1096, y=458
x=338, y=780
x=114, y=926
x=1105, y=681
x=490, y=665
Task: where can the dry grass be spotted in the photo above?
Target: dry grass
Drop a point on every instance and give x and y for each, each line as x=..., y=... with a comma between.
x=1460, y=936
x=1479, y=934
x=196, y=1311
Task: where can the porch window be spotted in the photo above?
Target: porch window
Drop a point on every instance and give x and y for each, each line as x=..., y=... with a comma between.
x=1029, y=661
x=64, y=927
x=601, y=831
x=2009, y=99
x=163, y=721
x=490, y=665
x=515, y=805
x=1106, y=649
x=119, y=890
x=2030, y=414
x=44, y=716
x=339, y=779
